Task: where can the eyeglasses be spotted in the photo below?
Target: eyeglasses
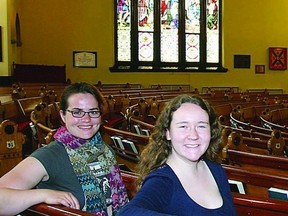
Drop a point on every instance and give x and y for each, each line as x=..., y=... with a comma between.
x=81, y=113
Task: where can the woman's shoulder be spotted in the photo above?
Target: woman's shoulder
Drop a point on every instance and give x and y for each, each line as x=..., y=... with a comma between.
x=54, y=148
x=216, y=169
x=160, y=181
x=213, y=165
x=163, y=171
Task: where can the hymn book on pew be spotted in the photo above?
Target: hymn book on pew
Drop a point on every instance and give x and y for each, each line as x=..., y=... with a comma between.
x=141, y=131
x=130, y=146
x=278, y=193
x=118, y=142
x=236, y=186
x=145, y=132
x=137, y=129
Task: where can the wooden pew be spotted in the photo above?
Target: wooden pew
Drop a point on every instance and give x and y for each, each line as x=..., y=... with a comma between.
x=153, y=101
x=42, y=127
x=256, y=200
x=129, y=179
x=31, y=89
x=264, y=130
x=26, y=106
x=11, y=141
x=259, y=160
x=236, y=141
x=19, y=110
x=273, y=142
x=127, y=145
x=141, y=92
x=255, y=206
x=256, y=183
x=114, y=114
x=53, y=210
x=279, y=116
x=34, y=89
x=236, y=153
x=135, y=100
x=223, y=112
x=9, y=110
x=270, y=125
x=144, y=93
x=5, y=98
x=143, y=126
x=185, y=87
x=119, y=86
x=250, y=115
x=236, y=122
x=44, y=134
x=47, y=114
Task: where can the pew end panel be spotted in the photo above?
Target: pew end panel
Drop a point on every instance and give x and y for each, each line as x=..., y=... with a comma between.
x=44, y=135
x=276, y=144
x=11, y=111
x=55, y=118
x=11, y=146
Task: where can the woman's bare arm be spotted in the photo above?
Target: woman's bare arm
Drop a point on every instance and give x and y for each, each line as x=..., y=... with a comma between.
x=17, y=191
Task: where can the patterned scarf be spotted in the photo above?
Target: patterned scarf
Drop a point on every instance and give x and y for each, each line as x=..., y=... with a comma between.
x=82, y=152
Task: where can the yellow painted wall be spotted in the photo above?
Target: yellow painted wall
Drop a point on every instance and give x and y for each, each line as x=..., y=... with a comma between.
x=4, y=26
x=53, y=29
x=7, y=21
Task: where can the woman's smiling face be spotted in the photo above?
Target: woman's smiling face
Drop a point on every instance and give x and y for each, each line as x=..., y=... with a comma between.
x=84, y=127
x=189, y=132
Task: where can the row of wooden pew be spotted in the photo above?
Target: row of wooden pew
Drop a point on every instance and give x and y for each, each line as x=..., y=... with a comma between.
x=130, y=136
x=15, y=114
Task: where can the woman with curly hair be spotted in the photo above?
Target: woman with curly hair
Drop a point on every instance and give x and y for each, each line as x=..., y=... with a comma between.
x=179, y=173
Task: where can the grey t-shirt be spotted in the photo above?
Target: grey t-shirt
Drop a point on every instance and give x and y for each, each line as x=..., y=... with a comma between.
x=58, y=166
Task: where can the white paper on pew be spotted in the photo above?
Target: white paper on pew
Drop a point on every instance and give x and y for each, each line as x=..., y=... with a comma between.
x=236, y=186
x=278, y=193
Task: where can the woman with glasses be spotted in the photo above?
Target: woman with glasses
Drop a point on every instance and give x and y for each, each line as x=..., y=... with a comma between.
x=77, y=169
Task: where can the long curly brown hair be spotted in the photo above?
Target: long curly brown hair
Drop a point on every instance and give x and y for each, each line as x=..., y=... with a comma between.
x=158, y=149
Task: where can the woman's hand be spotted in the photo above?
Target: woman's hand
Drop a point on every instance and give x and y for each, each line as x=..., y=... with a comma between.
x=14, y=201
x=60, y=197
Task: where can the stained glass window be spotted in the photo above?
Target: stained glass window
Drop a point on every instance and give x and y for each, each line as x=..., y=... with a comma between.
x=168, y=35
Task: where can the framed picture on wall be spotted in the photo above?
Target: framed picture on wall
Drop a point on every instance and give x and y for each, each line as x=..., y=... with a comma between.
x=85, y=59
x=277, y=58
x=242, y=61
x=260, y=69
